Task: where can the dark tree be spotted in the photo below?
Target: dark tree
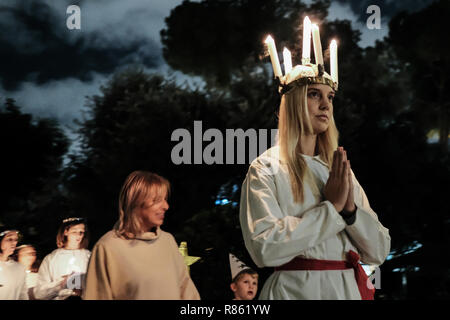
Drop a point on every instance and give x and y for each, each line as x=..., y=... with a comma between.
x=130, y=128
x=31, y=164
x=216, y=39
x=421, y=45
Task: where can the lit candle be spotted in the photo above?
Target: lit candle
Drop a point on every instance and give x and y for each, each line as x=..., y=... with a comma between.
x=287, y=58
x=317, y=44
x=333, y=61
x=273, y=56
x=306, y=54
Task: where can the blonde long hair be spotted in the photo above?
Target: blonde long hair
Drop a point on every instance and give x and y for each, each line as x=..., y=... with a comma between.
x=294, y=122
x=139, y=187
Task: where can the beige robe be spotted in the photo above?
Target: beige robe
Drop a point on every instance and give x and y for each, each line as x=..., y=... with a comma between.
x=276, y=230
x=147, y=268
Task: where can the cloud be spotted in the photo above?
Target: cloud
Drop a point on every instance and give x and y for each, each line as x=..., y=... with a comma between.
x=126, y=21
x=62, y=100
x=113, y=33
x=388, y=8
x=343, y=11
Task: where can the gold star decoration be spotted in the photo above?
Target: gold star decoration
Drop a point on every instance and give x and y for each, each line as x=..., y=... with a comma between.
x=188, y=260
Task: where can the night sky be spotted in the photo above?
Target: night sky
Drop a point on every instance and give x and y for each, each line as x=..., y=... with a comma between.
x=49, y=70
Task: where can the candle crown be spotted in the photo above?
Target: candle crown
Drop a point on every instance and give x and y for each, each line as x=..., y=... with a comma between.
x=307, y=72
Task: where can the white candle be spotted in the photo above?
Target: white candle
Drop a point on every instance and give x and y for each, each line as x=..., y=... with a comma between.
x=273, y=56
x=317, y=44
x=287, y=58
x=306, y=54
x=333, y=61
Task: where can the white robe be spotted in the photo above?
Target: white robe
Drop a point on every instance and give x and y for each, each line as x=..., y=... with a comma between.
x=12, y=281
x=276, y=230
x=54, y=267
x=31, y=279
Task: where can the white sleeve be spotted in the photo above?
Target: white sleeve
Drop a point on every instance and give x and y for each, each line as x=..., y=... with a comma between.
x=273, y=237
x=46, y=288
x=24, y=289
x=20, y=276
x=367, y=233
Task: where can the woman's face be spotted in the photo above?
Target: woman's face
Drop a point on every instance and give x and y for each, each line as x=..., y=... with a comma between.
x=152, y=212
x=27, y=256
x=320, y=106
x=9, y=243
x=75, y=235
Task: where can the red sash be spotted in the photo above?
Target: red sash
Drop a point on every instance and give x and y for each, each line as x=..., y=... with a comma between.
x=366, y=289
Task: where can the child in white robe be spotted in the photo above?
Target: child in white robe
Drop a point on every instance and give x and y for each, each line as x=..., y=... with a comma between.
x=12, y=274
x=26, y=256
x=62, y=272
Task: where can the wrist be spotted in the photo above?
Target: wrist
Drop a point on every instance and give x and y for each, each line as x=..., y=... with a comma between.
x=349, y=216
x=338, y=207
x=349, y=207
x=348, y=212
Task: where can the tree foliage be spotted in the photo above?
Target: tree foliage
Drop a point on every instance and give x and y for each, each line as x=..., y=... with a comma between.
x=420, y=44
x=30, y=165
x=215, y=39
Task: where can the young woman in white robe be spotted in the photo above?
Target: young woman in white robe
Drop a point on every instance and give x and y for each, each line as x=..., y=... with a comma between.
x=12, y=274
x=62, y=272
x=301, y=202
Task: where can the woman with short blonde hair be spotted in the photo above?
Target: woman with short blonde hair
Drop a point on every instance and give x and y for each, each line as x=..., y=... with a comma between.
x=137, y=260
x=140, y=186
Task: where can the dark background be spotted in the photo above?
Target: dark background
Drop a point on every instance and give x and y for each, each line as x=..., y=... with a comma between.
x=392, y=111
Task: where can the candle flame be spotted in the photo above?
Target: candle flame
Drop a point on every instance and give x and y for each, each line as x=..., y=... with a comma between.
x=268, y=39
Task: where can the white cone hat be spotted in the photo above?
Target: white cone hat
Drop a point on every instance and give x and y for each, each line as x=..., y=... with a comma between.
x=236, y=266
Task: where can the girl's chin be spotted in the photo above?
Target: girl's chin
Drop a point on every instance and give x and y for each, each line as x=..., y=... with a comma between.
x=322, y=127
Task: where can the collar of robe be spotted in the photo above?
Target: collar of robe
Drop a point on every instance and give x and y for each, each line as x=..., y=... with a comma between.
x=317, y=158
x=146, y=236
x=150, y=235
x=274, y=153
